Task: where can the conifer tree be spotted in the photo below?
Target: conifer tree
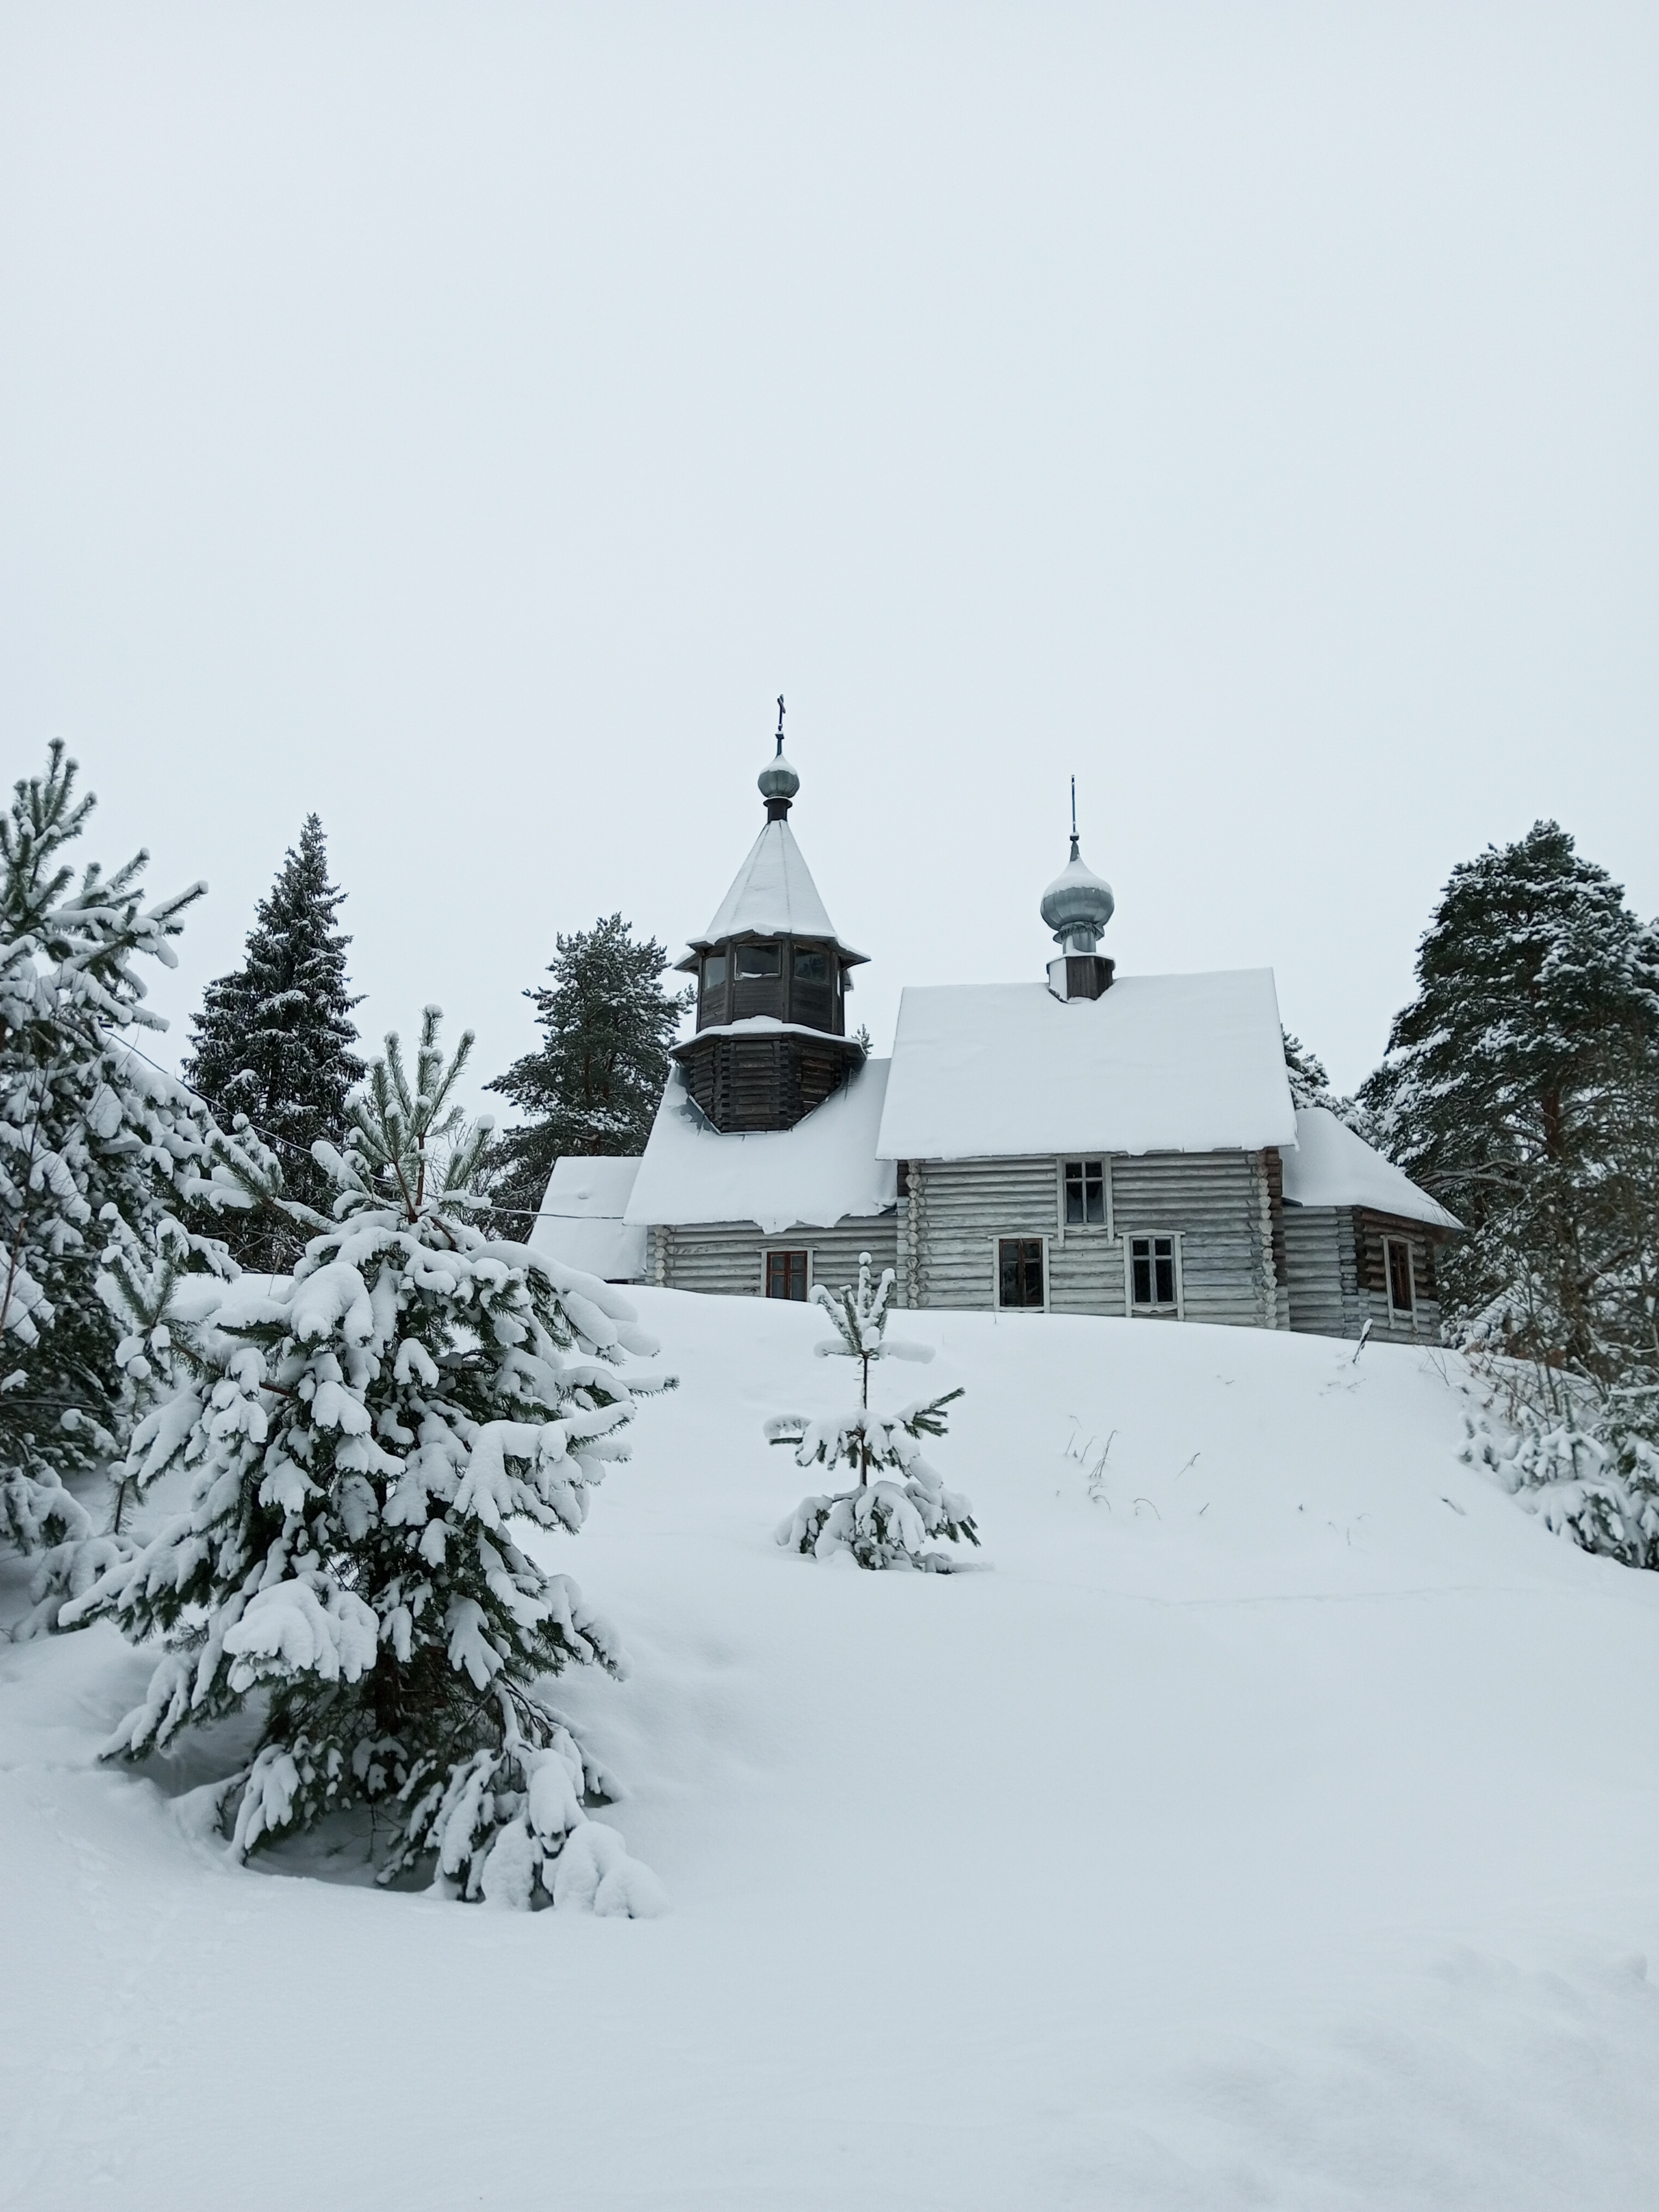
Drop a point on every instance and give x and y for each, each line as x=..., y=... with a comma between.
x=360, y=1437
x=887, y=1521
x=273, y=1040
x=1522, y=1084
x=97, y=1149
x=1311, y=1087
x=594, y=1084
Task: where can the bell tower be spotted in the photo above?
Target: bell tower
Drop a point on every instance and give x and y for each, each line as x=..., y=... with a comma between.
x=773, y=976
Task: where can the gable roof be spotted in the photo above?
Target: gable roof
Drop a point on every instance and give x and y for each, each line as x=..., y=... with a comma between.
x=580, y=1221
x=1157, y=1063
x=813, y=1175
x=773, y=894
x=1333, y=1166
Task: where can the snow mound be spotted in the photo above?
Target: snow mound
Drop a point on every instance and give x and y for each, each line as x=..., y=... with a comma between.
x=1273, y=1825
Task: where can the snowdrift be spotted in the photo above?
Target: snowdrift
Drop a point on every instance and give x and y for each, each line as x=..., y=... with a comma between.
x=1272, y=1822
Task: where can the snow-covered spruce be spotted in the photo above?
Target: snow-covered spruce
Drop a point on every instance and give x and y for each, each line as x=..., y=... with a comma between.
x=1601, y=1492
x=273, y=1043
x=900, y=1502
x=360, y=1435
x=98, y=1148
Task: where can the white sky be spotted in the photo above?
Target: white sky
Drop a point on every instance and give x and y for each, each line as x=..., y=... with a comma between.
x=464, y=422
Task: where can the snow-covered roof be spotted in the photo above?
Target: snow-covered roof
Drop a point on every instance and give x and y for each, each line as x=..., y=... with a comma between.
x=581, y=1219
x=1332, y=1166
x=773, y=894
x=1157, y=1063
x=812, y=1175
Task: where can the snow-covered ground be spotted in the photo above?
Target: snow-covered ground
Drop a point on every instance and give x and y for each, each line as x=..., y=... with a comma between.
x=1277, y=1826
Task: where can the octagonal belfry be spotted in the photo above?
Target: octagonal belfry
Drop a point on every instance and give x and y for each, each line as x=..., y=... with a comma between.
x=773, y=976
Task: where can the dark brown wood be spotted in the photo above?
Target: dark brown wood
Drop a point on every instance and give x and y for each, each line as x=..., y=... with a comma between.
x=1273, y=1161
x=748, y=1083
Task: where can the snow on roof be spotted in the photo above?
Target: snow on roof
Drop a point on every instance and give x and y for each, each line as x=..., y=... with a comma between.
x=586, y=1200
x=1332, y=1166
x=1157, y=1063
x=773, y=894
x=813, y=1175
x=587, y=1188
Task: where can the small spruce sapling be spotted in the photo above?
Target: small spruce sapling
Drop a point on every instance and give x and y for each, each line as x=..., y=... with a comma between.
x=899, y=1501
x=360, y=1437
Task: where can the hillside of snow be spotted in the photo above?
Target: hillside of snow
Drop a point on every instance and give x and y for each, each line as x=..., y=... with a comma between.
x=1274, y=1822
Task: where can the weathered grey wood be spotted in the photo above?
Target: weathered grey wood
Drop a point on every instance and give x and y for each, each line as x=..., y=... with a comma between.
x=728, y=1257
x=1339, y=1279
x=1219, y=1203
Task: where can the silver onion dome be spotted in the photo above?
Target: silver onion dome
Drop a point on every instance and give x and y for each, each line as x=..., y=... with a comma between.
x=777, y=780
x=1077, y=905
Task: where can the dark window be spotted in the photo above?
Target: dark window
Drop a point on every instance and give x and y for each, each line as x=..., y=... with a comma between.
x=1152, y=1273
x=1019, y=1270
x=786, y=1275
x=1399, y=1275
x=1085, y=1191
x=811, y=968
x=714, y=972
x=758, y=960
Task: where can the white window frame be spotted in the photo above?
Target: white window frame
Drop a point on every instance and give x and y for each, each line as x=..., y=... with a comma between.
x=1153, y=1312
x=767, y=1251
x=1401, y=1313
x=1109, y=1230
x=1023, y=1236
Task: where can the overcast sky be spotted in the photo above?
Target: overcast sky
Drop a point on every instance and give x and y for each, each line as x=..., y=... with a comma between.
x=464, y=422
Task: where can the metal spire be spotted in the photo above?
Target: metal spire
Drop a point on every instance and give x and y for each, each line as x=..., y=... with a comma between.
x=1074, y=850
x=781, y=726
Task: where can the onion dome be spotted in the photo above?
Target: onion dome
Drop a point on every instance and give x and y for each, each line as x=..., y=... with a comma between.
x=1077, y=905
x=777, y=780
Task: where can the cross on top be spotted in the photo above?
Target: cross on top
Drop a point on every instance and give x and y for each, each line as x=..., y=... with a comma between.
x=779, y=725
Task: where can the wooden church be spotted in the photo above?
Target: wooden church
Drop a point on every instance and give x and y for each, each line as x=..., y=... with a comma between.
x=1085, y=1143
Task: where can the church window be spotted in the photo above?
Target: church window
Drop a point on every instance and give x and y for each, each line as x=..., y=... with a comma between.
x=1400, y=1276
x=1019, y=1270
x=1086, y=1192
x=714, y=972
x=1155, y=1275
x=811, y=968
x=786, y=1274
x=757, y=960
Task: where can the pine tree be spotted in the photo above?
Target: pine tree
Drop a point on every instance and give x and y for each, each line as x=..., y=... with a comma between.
x=360, y=1435
x=273, y=1042
x=97, y=1149
x=1522, y=1084
x=887, y=1522
x=594, y=1084
x=1311, y=1087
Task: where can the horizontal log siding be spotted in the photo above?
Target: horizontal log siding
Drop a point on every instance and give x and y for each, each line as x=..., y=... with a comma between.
x=1219, y=1203
x=1339, y=1279
x=1324, y=1284
x=725, y=1256
x=1371, y=1267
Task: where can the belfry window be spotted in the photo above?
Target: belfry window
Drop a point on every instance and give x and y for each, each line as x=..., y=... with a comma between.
x=1086, y=1192
x=713, y=973
x=811, y=968
x=755, y=961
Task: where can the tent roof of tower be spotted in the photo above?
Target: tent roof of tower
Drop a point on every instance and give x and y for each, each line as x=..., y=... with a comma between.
x=772, y=894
